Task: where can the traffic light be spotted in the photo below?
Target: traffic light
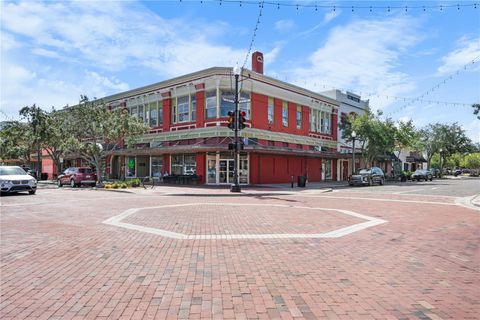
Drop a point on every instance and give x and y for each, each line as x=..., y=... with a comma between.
x=231, y=120
x=241, y=120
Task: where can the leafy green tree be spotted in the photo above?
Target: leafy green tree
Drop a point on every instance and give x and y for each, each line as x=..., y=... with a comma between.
x=450, y=138
x=17, y=142
x=36, y=119
x=98, y=131
x=58, y=136
x=406, y=137
x=376, y=137
x=471, y=161
x=476, y=110
x=454, y=160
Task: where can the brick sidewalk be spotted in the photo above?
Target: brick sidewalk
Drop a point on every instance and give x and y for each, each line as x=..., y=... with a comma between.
x=59, y=261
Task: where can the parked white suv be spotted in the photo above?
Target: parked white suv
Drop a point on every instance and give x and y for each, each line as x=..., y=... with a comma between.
x=14, y=179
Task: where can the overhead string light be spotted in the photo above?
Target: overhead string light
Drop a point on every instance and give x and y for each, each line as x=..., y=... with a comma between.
x=423, y=6
x=260, y=4
x=429, y=91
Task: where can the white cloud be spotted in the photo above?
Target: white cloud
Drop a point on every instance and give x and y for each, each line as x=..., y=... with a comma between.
x=59, y=40
x=466, y=50
x=472, y=129
x=23, y=87
x=329, y=16
x=363, y=55
x=271, y=56
x=116, y=35
x=284, y=25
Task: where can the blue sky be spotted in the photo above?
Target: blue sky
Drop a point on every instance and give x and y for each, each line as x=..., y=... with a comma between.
x=52, y=52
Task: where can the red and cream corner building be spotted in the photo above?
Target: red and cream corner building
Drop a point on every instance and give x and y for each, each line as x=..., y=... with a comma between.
x=290, y=131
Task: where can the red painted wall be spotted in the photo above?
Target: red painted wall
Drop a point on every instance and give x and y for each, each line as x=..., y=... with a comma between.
x=201, y=167
x=167, y=104
x=305, y=120
x=48, y=167
x=200, y=111
x=277, y=115
x=254, y=169
x=292, y=119
x=314, y=169
x=267, y=168
x=166, y=164
x=259, y=111
x=334, y=124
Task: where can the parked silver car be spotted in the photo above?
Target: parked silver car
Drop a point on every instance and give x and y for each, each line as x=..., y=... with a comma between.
x=14, y=179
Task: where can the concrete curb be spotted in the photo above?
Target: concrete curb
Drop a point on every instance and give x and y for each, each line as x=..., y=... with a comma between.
x=475, y=200
x=472, y=202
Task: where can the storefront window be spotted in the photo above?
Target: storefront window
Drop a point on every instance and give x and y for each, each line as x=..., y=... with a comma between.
x=243, y=172
x=157, y=166
x=131, y=168
x=184, y=164
x=328, y=169
x=212, y=171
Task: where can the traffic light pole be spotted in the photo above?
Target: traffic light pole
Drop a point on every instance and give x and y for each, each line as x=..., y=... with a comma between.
x=236, y=186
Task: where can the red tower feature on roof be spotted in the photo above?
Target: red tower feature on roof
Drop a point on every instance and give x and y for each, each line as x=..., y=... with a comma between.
x=257, y=62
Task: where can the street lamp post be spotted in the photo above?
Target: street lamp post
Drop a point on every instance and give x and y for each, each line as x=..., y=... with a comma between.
x=235, y=187
x=441, y=167
x=354, y=135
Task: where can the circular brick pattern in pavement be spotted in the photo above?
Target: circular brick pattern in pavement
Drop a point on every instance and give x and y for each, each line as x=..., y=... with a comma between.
x=242, y=221
x=227, y=219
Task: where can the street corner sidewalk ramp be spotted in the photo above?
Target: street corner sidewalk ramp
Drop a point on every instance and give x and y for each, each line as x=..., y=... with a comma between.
x=472, y=202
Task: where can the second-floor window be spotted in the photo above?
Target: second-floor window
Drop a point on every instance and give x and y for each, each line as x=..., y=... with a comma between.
x=154, y=110
x=211, y=104
x=299, y=117
x=320, y=121
x=184, y=109
x=271, y=108
x=227, y=103
x=285, y=113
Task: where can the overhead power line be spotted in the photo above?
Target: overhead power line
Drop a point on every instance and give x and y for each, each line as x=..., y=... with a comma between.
x=435, y=87
x=260, y=4
x=373, y=6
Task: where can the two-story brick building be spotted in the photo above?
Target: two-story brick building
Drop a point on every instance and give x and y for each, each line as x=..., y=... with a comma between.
x=290, y=131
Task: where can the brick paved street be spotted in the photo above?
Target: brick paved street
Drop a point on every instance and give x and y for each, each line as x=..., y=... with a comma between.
x=59, y=260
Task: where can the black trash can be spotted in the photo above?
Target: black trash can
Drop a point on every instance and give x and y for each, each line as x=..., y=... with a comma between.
x=44, y=176
x=301, y=181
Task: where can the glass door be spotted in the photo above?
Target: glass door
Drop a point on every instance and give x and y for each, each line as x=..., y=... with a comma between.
x=226, y=171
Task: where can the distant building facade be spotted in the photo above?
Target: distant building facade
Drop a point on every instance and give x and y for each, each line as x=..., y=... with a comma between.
x=350, y=103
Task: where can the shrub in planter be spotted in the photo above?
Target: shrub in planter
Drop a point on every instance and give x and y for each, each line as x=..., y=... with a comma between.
x=123, y=185
x=115, y=185
x=136, y=182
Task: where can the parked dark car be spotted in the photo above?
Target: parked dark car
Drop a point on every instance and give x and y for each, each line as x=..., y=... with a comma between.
x=31, y=172
x=422, y=174
x=435, y=172
x=76, y=176
x=14, y=179
x=367, y=177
